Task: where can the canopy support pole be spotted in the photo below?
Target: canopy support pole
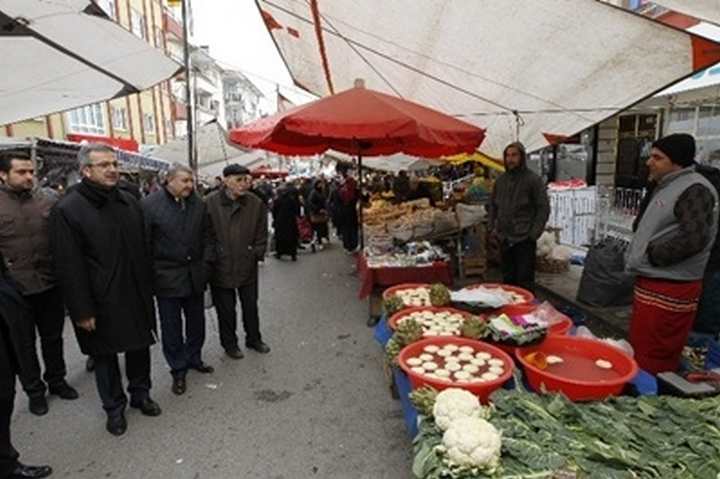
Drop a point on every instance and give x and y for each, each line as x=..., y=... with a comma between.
x=360, y=194
x=190, y=120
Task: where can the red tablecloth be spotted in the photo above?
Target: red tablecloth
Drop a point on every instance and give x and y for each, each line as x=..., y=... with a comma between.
x=439, y=272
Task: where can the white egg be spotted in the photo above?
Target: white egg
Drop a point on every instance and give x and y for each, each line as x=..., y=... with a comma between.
x=496, y=370
x=430, y=366
x=453, y=366
x=489, y=376
x=554, y=360
x=431, y=348
x=494, y=362
x=414, y=362
x=444, y=353
x=426, y=357
x=471, y=368
x=451, y=347
x=465, y=357
x=603, y=364
x=478, y=362
x=442, y=373
x=467, y=349
x=483, y=355
x=418, y=370
x=461, y=375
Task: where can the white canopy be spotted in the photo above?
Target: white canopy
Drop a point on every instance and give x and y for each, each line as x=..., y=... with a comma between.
x=62, y=54
x=708, y=10
x=541, y=67
x=212, y=147
x=400, y=162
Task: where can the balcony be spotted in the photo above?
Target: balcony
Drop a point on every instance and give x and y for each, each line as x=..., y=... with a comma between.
x=172, y=26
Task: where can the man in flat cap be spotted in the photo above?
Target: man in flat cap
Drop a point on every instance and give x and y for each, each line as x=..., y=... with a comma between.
x=669, y=252
x=240, y=222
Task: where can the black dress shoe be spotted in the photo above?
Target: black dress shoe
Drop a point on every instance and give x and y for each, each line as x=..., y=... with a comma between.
x=116, y=424
x=235, y=353
x=90, y=364
x=148, y=407
x=179, y=386
x=38, y=405
x=259, y=346
x=204, y=368
x=22, y=471
x=372, y=321
x=64, y=391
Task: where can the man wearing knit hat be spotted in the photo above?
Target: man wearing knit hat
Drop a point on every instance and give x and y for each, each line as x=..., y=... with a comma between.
x=669, y=252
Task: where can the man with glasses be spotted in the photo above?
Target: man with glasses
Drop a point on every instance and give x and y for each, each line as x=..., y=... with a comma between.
x=105, y=271
x=240, y=222
x=24, y=211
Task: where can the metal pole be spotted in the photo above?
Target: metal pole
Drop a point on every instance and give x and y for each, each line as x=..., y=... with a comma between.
x=188, y=91
x=360, y=194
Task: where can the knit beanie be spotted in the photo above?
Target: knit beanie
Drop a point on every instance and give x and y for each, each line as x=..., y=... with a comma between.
x=679, y=147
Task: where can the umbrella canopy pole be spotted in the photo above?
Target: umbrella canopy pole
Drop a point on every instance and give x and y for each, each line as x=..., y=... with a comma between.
x=190, y=120
x=360, y=190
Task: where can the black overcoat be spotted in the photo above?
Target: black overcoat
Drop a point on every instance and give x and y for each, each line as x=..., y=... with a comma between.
x=103, y=267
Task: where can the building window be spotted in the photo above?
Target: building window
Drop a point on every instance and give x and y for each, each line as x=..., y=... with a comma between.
x=159, y=37
x=108, y=6
x=119, y=118
x=137, y=23
x=149, y=122
x=88, y=119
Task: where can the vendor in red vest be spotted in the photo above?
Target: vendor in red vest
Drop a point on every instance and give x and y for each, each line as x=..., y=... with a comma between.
x=669, y=252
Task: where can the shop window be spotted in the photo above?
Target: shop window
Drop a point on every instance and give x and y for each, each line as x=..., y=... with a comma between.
x=708, y=121
x=680, y=120
x=87, y=119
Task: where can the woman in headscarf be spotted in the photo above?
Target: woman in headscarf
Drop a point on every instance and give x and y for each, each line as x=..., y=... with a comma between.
x=317, y=209
x=286, y=211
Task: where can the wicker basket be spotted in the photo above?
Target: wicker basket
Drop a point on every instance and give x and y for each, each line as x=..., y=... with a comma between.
x=549, y=265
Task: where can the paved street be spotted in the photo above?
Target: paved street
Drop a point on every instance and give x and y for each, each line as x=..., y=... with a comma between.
x=316, y=407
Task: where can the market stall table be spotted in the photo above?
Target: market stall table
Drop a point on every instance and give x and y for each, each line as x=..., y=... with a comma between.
x=437, y=272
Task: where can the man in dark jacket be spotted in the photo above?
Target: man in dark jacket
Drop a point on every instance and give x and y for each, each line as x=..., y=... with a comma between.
x=14, y=311
x=180, y=241
x=24, y=243
x=240, y=221
x=104, y=269
x=519, y=209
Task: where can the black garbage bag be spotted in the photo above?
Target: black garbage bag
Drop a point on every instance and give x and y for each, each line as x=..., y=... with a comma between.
x=604, y=281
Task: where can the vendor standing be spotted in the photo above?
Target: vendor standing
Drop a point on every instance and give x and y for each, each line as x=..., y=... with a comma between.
x=669, y=252
x=519, y=208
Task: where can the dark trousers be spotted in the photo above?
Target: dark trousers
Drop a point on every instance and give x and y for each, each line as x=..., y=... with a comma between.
x=109, y=379
x=8, y=454
x=518, y=264
x=48, y=317
x=182, y=353
x=225, y=300
x=350, y=233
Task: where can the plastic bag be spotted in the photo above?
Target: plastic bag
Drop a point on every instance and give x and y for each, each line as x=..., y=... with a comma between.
x=547, y=313
x=561, y=253
x=604, y=281
x=621, y=344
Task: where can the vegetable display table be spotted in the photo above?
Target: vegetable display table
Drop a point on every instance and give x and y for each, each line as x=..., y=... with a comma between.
x=438, y=272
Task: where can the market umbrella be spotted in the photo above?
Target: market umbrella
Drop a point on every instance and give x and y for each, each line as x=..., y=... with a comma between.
x=63, y=54
x=361, y=122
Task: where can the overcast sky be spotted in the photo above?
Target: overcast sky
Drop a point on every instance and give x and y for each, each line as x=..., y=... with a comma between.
x=238, y=39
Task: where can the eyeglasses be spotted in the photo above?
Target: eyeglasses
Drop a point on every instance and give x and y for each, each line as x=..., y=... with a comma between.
x=104, y=165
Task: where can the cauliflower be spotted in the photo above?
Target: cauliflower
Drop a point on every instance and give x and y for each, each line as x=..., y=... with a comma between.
x=471, y=442
x=454, y=403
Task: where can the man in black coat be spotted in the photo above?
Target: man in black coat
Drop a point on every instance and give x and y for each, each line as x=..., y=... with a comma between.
x=105, y=272
x=13, y=311
x=181, y=243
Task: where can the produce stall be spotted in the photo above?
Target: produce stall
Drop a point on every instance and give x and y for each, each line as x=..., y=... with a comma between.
x=494, y=385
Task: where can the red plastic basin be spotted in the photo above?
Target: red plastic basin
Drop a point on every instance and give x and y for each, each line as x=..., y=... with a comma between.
x=395, y=318
x=578, y=388
x=481, y=389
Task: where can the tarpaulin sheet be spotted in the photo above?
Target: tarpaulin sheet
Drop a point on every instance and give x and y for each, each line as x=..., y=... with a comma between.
x=556, y=66
x=62, y=54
